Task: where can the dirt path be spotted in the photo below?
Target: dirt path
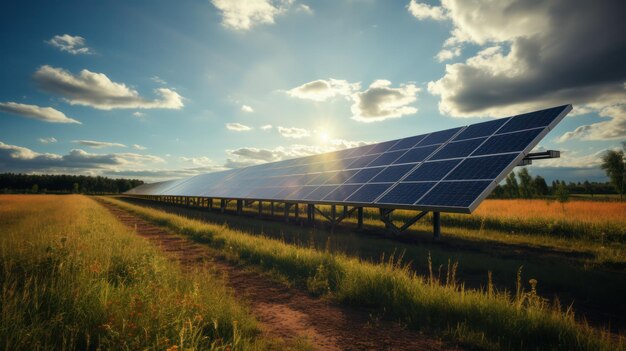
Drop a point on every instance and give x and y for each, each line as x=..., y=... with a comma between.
x=284, y=312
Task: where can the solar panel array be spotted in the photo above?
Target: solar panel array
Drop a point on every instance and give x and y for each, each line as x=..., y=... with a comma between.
x=450, y=170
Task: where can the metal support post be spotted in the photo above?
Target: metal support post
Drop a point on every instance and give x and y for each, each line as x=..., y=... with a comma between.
x=345, y=211
x=272, y=208
x=296, y=210
x=287, y=206
x=239, y=207
x=436, y=225
x=359, y=214
x=260, y=208
x=223, y=205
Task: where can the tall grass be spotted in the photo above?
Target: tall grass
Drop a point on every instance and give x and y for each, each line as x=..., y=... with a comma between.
x=73, y=277
x=603, y=222
x=483, y=318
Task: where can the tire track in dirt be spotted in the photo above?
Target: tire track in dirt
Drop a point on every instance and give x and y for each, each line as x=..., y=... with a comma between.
x=286, y=312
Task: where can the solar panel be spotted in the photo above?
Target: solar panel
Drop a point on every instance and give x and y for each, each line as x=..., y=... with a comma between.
x=449, y=170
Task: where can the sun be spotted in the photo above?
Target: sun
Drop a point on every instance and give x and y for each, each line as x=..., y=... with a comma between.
x=324, y=136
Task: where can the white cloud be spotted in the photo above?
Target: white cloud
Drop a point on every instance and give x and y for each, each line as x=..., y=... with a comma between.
x=248, y=156
x=138, y=114
x=139, y=147
x=447, y=54
x=17, y=158
x=46, y=114
x=198, y=161
x=612, y=129
x=321, y=89
x=72, y=44
x=425, y=11
x=531, y=58
x=98, y=91
x=573, y=158
x=246, y=108
x=244, y=14
x=292, y=132
x=304, y=9
x=380, y=102
x=50, y=140
x=237, y=127
x=158, y=79
x=266, y=127
x=97, y=144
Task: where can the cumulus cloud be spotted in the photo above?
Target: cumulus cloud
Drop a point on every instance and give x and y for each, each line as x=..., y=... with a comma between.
x=532, y=57
x=425, y=11
x=322, y=89
x=50, y=140
x=266, y=127
x=97, y=90
x=237, y=127
x=380, y=101
x=74, y=45
x=46, y=114
x=612, y=129
x=248, y=156
x=138, y=114
x=448, y=54
x=139, y=147
x=17, y=158
x=294, y=133
x=158, y=79
x=97, y=144
x=377, y=103
x=244, y=14
x=246, y=108
x=198, y=161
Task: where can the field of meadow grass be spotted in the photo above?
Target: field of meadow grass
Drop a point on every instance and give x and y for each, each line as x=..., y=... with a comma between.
x=484, y=318
x=73, y=277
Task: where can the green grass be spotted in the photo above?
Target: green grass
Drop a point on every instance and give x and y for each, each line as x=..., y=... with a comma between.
x=488, y=318
x=73, y=277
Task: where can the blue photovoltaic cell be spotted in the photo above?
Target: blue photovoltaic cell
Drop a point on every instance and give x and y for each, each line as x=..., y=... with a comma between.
x=417, y=154
x=481, y=167
x=392, y=174
x=381, y=147
x=456, y=194
x=533, y=119
x=321, y=178
x=406, y=193
x=341, y=177
x=342, y=192
x=364, y=175
x=319, y=193
x=362, y=161
x=431, y=170
x=360, y=151
x=368, y=193
x=481, y=129
x=386, y=158
x=300, y=193
x=408, y=143
x=439, y=137
x=512, y=142
x=458, y=149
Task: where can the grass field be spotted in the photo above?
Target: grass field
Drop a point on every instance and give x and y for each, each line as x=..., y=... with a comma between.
x=485, y=318
x=72, y=277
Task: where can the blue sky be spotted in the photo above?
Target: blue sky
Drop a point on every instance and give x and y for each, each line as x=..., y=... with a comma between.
x=162, y=89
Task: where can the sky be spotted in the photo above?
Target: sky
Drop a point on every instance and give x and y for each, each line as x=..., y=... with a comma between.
x=165, y=89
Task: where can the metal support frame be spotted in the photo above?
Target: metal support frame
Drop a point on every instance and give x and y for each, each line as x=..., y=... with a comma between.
x=239, y=207
x=385, y=216
x=286, y=214
x=260, y=208
x=333, y=218
x=359, y=216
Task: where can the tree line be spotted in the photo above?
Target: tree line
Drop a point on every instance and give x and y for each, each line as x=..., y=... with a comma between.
x=53, y=183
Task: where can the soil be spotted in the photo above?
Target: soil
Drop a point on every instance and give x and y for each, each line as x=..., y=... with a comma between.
x=285, y=312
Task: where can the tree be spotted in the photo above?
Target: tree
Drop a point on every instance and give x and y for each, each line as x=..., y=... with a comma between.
x=588, y=187
x=511, y=187
x=76, y=188
x=34, y=189
x=613, y=165
x=562, y=194
x=540, y=186
x=525, y=183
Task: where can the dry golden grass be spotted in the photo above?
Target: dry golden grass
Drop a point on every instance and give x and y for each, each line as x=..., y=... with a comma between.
x=582, y=211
